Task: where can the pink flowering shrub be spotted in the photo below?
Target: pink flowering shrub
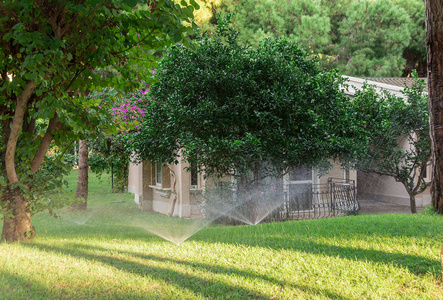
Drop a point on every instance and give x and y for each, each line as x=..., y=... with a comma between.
x=121, y=115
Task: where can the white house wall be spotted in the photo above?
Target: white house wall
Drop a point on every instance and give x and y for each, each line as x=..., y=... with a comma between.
x=386, y=189
x=158, y=198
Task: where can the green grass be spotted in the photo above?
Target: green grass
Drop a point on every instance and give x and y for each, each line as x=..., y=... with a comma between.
x=114, y=256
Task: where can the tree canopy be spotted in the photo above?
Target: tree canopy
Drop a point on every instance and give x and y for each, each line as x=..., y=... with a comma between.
x=227, y=108
x=374, y=35
x=303, y=22
x=379, y=38
x=51, y=50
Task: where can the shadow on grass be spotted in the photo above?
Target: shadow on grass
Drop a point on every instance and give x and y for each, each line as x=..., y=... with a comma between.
x=123, y=233
x=14, y=286
x=200, y=286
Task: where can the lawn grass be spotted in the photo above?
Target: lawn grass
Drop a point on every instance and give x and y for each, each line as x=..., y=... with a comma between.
x=112, y=255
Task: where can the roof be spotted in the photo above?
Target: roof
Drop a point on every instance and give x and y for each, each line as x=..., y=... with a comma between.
x=394, y=85
x=398, y=81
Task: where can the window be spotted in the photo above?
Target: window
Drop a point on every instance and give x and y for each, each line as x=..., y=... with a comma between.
x=298, y=187
x=428, y=170
x=194, y=176
x=158, y=174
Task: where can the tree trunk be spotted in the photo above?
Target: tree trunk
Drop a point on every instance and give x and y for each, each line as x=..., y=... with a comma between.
x=6, y=131
x=17, y=225
x=82, y=182
x=434, y=43
x=413, y=205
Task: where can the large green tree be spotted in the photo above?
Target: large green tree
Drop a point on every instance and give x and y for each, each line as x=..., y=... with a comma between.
x=303, y=22
x=412, y=55
x=373, y=37
x=49, y=49
x=231, y=109
x=360, y=38
x=415, y=51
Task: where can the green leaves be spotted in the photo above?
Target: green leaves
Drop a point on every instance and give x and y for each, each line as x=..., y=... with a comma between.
x=68, y=49
x=131, y=3
x=360, y=38
x=393, y=133
x=228, y=107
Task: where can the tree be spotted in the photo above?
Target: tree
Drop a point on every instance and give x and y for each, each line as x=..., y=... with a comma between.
x=239, y=111
x=51, y=49
x=415, y=51
x=82, y=179
x=384, y=120
x=374, y=35
x=434, y=32
x=82, y=182
x=303, y=22
x=395, y=29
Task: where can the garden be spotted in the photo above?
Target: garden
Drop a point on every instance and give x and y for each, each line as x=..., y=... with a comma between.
x=111, y=256
x=115, y=82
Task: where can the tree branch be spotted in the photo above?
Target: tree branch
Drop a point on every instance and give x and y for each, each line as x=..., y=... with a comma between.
x=74, y=78
x=20, y=109
x=54, y=125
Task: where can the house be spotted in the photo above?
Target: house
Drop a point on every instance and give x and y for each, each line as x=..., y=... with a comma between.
x=156, y=187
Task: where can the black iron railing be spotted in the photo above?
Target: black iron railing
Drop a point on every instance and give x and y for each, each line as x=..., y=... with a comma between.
x=335, y=198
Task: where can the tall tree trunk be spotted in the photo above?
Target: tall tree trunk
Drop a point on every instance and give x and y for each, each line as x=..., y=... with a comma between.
x=6, y=131
x=17, y=225
x=434, y=43
x=82, y=182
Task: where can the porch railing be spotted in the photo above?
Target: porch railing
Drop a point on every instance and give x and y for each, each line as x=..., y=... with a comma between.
x=337, y=197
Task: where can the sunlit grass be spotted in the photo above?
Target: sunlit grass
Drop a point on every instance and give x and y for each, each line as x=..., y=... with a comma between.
x=391, y=256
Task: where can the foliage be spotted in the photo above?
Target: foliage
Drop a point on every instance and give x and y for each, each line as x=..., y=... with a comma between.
x=373, y=36
x=396, y=130
x=109, y=151
x=415, y=51
x=359, y=37
x=228, y=108
x=50, y=52
x=302, y=22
